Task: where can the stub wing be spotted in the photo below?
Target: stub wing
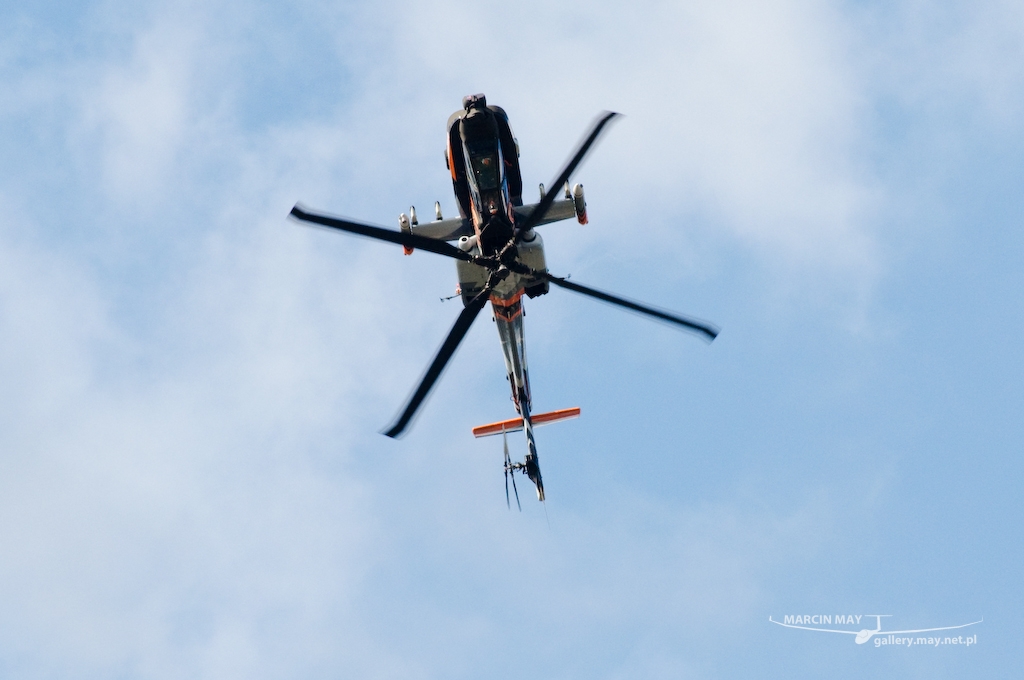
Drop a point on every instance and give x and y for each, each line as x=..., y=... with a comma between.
x=444, y=230
x=453, y=229
x=516, y=424
x=559, y=210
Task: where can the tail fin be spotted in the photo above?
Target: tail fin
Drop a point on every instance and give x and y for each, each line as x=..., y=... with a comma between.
x=516, y=424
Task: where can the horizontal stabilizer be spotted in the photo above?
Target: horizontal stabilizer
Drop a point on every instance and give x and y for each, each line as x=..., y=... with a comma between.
x=516, y=424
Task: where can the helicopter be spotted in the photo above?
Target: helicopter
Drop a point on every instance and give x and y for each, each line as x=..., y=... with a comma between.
x=499, y=257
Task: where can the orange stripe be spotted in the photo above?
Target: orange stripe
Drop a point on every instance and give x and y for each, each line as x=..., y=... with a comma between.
x=508, y=316
x=451, y=161
x=516, y=424
x=501, y=307
x=507, y=303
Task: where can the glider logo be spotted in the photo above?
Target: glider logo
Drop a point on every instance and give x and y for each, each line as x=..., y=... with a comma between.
x=882, y=637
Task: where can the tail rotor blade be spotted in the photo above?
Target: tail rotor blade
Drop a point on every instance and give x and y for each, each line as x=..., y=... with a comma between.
x=409, y=240
x=596, y=128
x=516, y=491
x=508, y=463
x=509, y=472
x=437, y=366
x=507, y=503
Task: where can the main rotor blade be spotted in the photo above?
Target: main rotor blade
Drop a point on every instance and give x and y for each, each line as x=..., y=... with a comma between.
x=432, y=245
x=444, y=354
x=542, y=208
x=707, y=330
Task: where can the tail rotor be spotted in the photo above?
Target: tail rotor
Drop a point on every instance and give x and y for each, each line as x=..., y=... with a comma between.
x=510, y=469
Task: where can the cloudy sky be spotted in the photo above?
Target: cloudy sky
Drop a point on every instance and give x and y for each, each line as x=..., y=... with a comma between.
x=192, y=483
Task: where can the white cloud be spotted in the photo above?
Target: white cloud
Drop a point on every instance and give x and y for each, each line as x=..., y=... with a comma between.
x=173, y=520
x=142, y=107
x=747, y=115
x=949, y=63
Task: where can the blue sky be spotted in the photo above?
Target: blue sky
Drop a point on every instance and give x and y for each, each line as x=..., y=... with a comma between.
x=192, y=483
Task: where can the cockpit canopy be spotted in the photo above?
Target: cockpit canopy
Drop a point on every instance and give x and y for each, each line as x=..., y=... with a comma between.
x=483, y=159
x=480, y=139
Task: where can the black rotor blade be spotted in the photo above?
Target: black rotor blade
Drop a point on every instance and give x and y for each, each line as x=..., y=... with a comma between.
x=508, y=463
x=444, y=354
x=510, y=472
x=595, y=131
x=518, y=504
x=432, y=245
x=707, y=330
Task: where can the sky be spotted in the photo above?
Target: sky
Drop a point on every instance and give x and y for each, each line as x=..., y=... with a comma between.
x=192, y=479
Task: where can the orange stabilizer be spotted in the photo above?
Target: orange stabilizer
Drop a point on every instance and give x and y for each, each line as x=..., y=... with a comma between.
x=516, y=424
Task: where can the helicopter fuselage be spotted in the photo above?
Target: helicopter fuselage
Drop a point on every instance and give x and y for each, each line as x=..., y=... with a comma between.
x=482, y=156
